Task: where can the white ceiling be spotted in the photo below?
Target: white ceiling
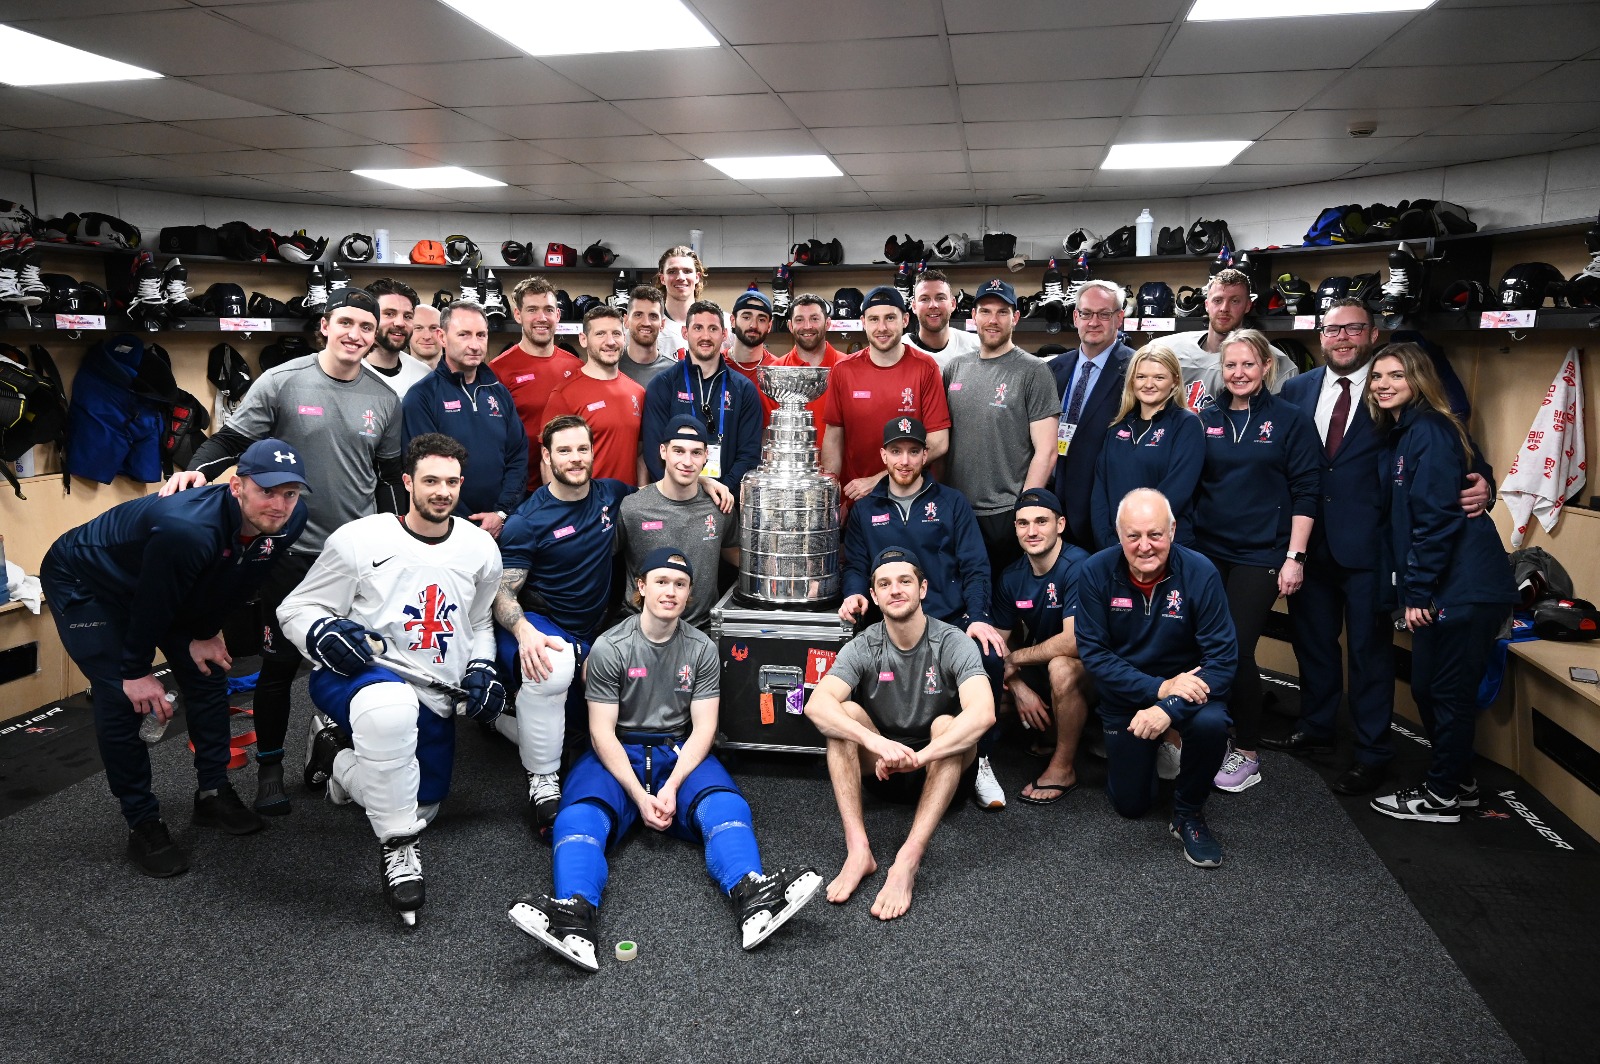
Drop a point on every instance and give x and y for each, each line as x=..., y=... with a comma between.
x=920, y=102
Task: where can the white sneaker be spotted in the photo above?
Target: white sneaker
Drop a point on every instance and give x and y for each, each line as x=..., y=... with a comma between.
x=986, y=792
x=1168, y=760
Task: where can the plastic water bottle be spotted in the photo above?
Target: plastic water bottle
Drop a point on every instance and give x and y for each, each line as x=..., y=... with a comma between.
x=1144, y=228
x=380, y=245
x=154, y=727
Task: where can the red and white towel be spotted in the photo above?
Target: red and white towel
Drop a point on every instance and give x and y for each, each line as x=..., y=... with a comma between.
x=1552, y=465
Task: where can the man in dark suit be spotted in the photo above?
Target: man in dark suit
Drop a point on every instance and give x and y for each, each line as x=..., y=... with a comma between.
x=1341, y=589
x=1089, y=382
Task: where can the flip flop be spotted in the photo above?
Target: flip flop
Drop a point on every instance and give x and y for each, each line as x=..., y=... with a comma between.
x=1036, y=748
x=1064, y=789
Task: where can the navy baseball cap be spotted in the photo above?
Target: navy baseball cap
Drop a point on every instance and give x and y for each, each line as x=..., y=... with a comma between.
x=666, y=558
x=998, y=289
x=751, y=299
x=355, y=298
x=904, y=428
x=891, y=555
x=271, y=462
x=686, y=427
x=884, y=296
x=1038, y=497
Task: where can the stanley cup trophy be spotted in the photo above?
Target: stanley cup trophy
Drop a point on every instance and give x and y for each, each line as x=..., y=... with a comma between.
x=789, y=511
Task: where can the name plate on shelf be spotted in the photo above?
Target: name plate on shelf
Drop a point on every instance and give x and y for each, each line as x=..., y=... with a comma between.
x=569, y=328
x=845, y=325
x=245, y=325
x=1150, y=325
x=1507, y=319
x=80, y=322
x=1305, y=322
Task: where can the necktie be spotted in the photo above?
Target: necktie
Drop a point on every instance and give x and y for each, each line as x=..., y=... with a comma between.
x=1075, y=405
x=1341, y=414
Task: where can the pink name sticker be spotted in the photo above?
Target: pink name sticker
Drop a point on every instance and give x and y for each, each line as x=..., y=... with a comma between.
x=1124, y=434
x=563, y=533
x=1122, y=603
x=311, y=411
x=638, y=672
x=861, y=395
x=956, y=387
x=1024, y=604
x=685, y=397
x=524, y=378
x=452, y=404
x=882, y=676
x=1214, y=430
x=650, y=526
x=599, y=404
x=880, y=519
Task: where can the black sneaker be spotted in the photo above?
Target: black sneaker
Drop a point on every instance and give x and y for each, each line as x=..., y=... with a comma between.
x=323, y=744
x=1200, y=847
x=1467, y=796
x=151, y=849
x=1419, y=803
x=567, y=925
x=225, y=810
x=271, y=800
x=762, y=904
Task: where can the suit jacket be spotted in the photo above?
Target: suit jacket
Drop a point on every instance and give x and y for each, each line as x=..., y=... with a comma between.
x=1350, y=481
x=1074, y=481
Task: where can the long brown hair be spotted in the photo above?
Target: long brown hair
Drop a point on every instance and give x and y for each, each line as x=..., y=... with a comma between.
x=1426, y=390
x=1158, y=352
x=681, y=251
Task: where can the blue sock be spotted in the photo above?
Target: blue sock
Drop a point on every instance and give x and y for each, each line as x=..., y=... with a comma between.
x=723, y=818
x=579, y=835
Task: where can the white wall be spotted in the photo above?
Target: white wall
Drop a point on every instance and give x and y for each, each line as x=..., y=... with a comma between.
x=1553, y=187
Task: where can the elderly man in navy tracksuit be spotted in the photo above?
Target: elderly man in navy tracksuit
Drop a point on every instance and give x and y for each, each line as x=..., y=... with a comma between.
x=463, y=399
x=1153, y=630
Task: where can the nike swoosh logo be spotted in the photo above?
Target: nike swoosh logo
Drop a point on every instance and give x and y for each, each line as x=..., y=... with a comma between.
x=390, y=558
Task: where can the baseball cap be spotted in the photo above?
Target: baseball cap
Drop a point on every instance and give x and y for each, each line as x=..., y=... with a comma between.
x=995, y=288
x=890, y=555
x=884, y=296
x=356, y=298
x=904, y=428
x=686, y=427
x=752, y=300
x=1038, y=497
x=271, y=462
x=666, y=558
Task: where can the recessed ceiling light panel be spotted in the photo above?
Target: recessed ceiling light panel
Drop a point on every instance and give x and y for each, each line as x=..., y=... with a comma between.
x=1225, y=10
x=34, y=60
x=759, y=167
x=589, y=27
x=431, y=177
x=1173, y=155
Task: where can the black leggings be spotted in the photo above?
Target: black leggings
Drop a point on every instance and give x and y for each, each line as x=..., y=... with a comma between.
x=1252, y=589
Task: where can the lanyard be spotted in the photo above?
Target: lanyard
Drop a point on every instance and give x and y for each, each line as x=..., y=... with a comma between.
x=705, y=397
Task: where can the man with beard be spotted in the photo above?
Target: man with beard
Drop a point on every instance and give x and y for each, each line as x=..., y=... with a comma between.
x=608, y=402
x=752, y=324
x=1228, y=300
x=934, y=304
x=464, y=400
x=533, y=368
x=554, y=597
x=644, y=362
x=902, y=709
x=427, y=339
x=394, y=609
x=397, y=302
x=808, y=323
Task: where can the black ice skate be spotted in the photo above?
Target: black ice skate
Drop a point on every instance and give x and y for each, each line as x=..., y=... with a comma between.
x=566, y=925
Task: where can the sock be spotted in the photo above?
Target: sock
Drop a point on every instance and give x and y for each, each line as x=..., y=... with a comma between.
x=723, y=818
x=579, y=852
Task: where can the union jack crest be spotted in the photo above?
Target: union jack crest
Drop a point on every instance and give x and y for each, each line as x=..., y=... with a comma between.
x=369, y=421
x=1051, y=598
x=1264, y=433
x=1174, y=602
x=908, y=399
x=685, y=677
x=930, y=511
x=494, y=406
x=930, y=680
x=711, y=527
x=430, y=622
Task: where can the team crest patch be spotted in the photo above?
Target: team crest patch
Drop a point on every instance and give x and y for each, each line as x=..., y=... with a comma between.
x=711, y=528
x=1399, y=468
x=430, y=622
x=1155, y=437
x=494, y=406
x=605, y=518
x=636, y=411
x=685, y=677
x=908, y=400
x=904, y=425
x=930, y=681
x=1264, y=433
x=999, y=395
x=1052, y=600
x=1174, y=603
x=930, y=511
x=369, y=423
x=264, y=547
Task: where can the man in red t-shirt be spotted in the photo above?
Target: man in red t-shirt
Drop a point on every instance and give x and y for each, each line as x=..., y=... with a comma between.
x=871, y=387
x=609, y=402
x=751, y=325
x=535, y=366
x=808, y=321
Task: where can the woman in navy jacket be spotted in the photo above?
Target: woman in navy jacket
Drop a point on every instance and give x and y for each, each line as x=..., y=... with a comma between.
x=1153, y=442
x=1252, y=517
x=1450, y=574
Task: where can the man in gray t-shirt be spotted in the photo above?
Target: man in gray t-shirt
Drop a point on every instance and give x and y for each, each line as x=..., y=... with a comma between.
x=904, y=704
x=1003, y=415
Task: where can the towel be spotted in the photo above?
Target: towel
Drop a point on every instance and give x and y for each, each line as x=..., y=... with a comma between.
x=1551, y=466
x=21, y=587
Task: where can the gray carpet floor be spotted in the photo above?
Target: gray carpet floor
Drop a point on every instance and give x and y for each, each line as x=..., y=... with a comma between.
x=1057, y=933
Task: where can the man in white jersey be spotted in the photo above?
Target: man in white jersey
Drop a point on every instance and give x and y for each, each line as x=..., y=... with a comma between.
x=1199, y=354
x=933, y=304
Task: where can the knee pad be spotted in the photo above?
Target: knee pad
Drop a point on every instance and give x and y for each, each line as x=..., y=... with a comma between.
x=383, y=721
x=584, y=823
x=718, y=811
x=563, y=666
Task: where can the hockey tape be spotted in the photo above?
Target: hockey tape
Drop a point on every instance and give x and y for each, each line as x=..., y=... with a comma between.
x=627, y=950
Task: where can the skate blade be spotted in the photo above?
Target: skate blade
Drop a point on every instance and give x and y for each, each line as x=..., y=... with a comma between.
x=408, y=917
x=536, y=925
x=800, y=892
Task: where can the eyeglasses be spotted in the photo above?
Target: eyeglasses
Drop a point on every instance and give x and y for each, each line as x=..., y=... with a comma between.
x=1098, y=315
x=1355, y=328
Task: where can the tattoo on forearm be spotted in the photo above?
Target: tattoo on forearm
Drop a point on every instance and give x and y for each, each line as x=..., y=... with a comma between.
x=507, y=612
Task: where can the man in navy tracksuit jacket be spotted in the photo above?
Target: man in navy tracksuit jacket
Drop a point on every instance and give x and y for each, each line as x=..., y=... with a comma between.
x=1153, y=630
x=463, y=399
x=161, y=573
x=702, y=386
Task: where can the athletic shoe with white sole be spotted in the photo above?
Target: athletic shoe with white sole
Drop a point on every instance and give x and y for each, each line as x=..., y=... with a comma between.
x=1200, y=847
x=1238, y=773
x=764, y=903
x=1419, y=803
x=986, y=790
x=566, y=925
x=1169, y=759
x=1467, y=796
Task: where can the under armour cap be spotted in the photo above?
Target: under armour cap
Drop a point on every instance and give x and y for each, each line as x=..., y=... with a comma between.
x=884, y=296
x=998, y=289
x=686, y=427
x=355, y=298
x=752, y=299
x=1038, y=497
x=271, y=462
x=666, y=558
x=904, y=428
x=891, y=555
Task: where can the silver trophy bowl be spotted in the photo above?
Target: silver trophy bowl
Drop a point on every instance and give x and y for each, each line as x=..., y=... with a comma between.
x=792, y=386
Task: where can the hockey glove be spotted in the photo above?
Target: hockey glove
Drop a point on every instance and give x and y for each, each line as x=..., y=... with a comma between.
x=340, y=644
x=486, y=695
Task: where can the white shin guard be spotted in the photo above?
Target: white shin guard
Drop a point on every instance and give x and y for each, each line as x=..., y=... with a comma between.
x=541, y=721
x=383, y=776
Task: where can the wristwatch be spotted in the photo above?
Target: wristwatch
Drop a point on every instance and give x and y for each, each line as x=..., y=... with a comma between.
x=1296, y=556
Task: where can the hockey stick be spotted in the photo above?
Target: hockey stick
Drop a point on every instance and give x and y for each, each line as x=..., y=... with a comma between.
x=410, y=675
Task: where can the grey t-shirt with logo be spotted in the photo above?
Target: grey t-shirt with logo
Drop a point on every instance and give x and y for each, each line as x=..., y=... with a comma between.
x=642, y=375
x=992, y=403
x=696, y=527
x=904, y=690
x=652, y=684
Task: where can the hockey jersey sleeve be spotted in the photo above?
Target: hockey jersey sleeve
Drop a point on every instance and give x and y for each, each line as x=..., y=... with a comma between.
x=328, y=590
x=482, y=613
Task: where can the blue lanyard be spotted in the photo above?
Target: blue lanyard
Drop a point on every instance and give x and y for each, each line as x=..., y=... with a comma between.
x=722, y=396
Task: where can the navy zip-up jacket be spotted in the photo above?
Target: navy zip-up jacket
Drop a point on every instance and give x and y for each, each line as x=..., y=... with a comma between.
x=1167, y=454
x=1131, y=644
x=1433, y=554
x=1251, y=487
x=942, y=533
x=482, y=417
x=173, y=565
x=666, y=396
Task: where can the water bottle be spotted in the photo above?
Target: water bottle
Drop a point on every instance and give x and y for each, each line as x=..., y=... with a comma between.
x=154, y=727
x=1144, y=227
x=380, y=245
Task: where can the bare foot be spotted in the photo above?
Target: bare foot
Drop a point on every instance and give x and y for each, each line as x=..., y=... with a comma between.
x=895, y=897
x=856, y=868
x=1050, y=780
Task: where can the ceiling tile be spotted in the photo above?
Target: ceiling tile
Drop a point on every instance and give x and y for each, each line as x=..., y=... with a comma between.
x=1111, y=52
x=1428, y=86
x=485, y=153
x=232, y=187
x=819, y=203
x=710, y=114
x=1275, y=44
x=636, y=75
x=1205, y=94
x=402, y=197
x=706, y=187
x=248, y=163
x=313, y=91
x=557, y=120
x=914, y=198
x=177, y=43
x=29, y=109
x=659, y=170
x=151, y=138
x=756, y=142
x=507, y=198
x=1520, y=32
x=485, y=83
x=1032, y=179
x=1272, y=174
x=350, y=31
x=922, y=182
x=983, y=16
x=1570, y=81
x=855, y=139
x=123, y=167
x=1571, y=117
x=749, y=203
x=1191, y=177
x=619, y=149
x=1437, y=149
x=358, y=156
x=850, y=64
x=589, y=190
x=540, y=174
x=1388, y=121
x=285, y=131
x=28, y=144
x=1148, y=128
x=165, y=100
x=423, y=125
x=870, y=107
x=1057, y=133
x=803, y=186
x=993, y=159
x=909, y=162
x=23, y=11
x=779, y=21
x=1341, y=149
x=325, y=181
x=1051, y=99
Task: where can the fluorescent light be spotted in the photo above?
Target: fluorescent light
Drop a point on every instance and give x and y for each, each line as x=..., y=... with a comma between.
x=1223, y=10
x=431, y=177
x=33, y=60
x=589, y=27
x=1173, y=155
x=757, y=167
